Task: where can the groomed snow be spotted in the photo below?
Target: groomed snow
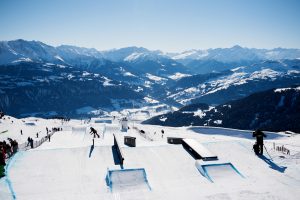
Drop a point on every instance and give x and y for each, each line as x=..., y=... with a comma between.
x=69, y=168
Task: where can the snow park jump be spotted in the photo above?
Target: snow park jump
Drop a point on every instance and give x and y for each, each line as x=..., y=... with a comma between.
x=127, y=180
x=218, y=171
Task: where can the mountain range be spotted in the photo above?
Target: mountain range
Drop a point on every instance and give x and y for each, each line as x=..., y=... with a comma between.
x=70, y=78
x=273, y=110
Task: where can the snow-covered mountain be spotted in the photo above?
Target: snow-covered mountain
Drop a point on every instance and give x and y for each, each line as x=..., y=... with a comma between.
x=273, y=110
x=22, y=50
x=31, y=88
x=217, y=88
x=220, y=59
x=146, y=61
x=153, y=74
x=237, y=54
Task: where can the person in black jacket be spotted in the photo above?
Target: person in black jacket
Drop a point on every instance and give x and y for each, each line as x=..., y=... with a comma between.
x=259, y=145
x=94, y=132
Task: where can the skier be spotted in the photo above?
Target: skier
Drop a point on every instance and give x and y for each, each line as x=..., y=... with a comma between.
x=259, y=145
x=21, y=132
x=93, y=131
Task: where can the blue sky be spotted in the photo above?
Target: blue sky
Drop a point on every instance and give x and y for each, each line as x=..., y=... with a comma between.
x=168, y=25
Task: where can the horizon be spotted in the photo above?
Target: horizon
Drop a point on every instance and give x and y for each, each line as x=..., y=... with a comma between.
x=132, y=46
x=170, y=26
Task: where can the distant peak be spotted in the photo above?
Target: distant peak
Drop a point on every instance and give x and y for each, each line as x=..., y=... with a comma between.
x=236, y=47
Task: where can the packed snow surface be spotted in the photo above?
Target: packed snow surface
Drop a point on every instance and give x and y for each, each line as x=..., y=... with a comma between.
x=69, y=167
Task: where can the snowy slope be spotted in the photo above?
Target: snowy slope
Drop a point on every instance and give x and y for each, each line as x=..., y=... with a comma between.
x=68, y=169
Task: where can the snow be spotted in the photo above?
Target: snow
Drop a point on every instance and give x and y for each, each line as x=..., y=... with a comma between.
x=282, y=89
x=86, y=73
x=22, y=60
x=69, y=168
x=219, y=122
x=59, y=58
x=279, y=90
x=150, y=100
x=292, y=72
x=139, y=89
x=70, y=76
x=192, y=54
x=178, y=76
x=155, y=78
x=200, y=114
x=237, y=69
x=128, y=74
x=265, y=74
x=107, y=82
x=191, y=90
x=133, y=56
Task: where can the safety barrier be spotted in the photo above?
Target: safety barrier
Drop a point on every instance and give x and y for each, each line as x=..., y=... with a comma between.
x=26, y=146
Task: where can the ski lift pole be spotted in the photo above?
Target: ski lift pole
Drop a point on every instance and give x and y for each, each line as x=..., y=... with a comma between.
x=267, y=152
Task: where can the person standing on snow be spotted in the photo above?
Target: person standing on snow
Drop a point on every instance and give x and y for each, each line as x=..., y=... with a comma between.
x=259, y=145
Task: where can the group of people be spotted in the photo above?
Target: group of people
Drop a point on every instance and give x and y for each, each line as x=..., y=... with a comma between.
x=54, y=129
x=7, y=150
x=30, y=142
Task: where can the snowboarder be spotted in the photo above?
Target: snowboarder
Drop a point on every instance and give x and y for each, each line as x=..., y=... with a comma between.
x=259, y=145
x=93, y=131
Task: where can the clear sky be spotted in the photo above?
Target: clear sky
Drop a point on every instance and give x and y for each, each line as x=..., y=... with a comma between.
x=168, y=25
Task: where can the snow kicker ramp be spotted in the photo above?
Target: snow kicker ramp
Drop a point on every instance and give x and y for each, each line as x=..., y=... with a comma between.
x=216, y=172
x=127, y=180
